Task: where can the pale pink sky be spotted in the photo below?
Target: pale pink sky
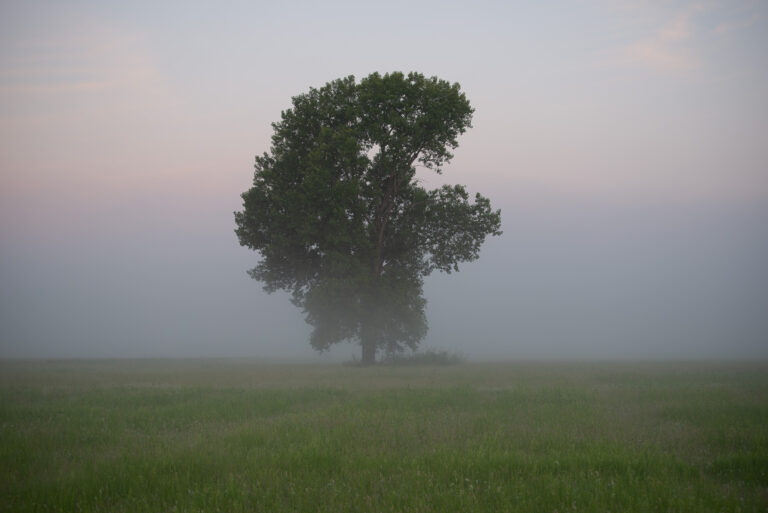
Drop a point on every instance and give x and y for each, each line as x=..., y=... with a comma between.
x=128, y=132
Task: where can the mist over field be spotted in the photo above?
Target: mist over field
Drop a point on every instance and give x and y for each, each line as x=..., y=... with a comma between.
x=629, y=164
x=573, y=281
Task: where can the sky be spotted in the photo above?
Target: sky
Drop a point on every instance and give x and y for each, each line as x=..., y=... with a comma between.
x=625, y=142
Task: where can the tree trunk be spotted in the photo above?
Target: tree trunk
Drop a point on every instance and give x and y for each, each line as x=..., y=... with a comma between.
x=369, y=351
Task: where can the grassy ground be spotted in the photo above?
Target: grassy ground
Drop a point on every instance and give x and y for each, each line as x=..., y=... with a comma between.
x=240, y=436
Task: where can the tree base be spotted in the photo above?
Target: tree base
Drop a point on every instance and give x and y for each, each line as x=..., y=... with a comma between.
x=369, y=354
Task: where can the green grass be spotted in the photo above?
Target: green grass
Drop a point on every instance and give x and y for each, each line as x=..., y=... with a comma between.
x=241, y=436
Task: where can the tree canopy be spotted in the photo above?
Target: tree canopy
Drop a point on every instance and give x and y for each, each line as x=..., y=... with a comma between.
x=340, y=220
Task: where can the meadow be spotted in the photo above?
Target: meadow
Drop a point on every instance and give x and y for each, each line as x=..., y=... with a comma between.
x=238, y=435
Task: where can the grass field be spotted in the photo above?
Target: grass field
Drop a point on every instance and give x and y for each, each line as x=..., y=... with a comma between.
x=242, y=436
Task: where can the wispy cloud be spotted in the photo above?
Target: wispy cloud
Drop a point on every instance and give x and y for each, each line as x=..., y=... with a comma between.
x=676, y=42
x=728, y=27
x=98, y=60
x=668, y=48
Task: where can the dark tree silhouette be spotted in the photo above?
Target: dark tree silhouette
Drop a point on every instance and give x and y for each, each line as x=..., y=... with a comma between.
x=339, y=219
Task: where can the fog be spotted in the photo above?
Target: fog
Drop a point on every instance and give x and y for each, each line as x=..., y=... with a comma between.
x=623, y=142
x=566, y=280
x=598, y=281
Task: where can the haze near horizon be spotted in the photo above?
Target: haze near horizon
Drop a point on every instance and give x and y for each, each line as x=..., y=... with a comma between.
x=625, y=143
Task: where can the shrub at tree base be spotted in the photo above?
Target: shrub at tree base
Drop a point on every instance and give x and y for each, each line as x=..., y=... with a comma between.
x=428, y=357
x=341, y=222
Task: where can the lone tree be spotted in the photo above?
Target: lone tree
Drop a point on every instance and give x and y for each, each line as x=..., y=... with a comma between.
x=342, y=223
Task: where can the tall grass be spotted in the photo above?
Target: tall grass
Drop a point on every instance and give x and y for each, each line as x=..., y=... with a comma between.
x=239, y=436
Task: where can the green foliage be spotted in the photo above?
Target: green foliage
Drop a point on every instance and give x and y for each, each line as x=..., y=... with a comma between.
x=340, y=221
